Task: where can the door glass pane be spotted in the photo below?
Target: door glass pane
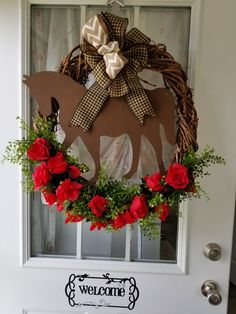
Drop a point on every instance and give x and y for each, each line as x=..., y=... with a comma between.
x=161, y=249
x=54, y=32
x=171, y=28
x=102, y=245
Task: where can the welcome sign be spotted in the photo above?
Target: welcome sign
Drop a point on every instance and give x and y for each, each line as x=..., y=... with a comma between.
x=104, y=291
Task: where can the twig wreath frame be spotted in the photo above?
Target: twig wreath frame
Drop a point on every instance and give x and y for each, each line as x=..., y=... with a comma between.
x=108, y=203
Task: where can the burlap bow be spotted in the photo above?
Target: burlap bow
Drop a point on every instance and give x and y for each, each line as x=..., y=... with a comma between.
x=115, y=59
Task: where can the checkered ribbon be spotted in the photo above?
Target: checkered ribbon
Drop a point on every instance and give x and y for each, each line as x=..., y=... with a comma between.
x=115, y=59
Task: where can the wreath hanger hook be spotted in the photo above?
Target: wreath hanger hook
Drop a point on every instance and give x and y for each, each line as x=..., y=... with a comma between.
x=119, y=2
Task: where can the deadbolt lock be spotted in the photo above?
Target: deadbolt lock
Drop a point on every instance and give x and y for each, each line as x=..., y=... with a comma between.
x=213, y=251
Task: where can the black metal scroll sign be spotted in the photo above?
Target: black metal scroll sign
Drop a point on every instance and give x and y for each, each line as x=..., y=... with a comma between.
x=104, y=291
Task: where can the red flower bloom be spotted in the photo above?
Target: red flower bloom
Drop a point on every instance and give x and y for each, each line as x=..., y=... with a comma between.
x=98, y=225
x=98, y=205
x=39, y=150
x=138, y=207
x=177, y=176
x=57, y=164
x=123, y=219
x=153, y=182
x=41, y=176
x=74, y=172
x=72, y=218
x=50, y=197
x=60, y=206
x=68, y=190
x=163, y=211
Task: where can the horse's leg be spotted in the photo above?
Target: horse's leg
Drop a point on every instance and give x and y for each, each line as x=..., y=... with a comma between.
x=170, y=131
x=136, y=142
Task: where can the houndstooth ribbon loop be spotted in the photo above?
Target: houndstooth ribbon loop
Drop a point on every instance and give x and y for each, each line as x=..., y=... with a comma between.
x=115, y=59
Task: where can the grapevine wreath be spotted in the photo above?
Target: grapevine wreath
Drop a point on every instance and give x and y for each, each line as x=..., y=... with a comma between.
x=108, y=203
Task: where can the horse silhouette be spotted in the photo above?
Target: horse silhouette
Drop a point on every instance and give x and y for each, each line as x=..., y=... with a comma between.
x=114, y=119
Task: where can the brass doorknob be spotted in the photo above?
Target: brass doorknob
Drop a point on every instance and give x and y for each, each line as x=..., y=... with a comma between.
x=210, y=290
x=213, y=251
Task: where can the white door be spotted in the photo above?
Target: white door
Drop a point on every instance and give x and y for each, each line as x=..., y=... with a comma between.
x=36, y=281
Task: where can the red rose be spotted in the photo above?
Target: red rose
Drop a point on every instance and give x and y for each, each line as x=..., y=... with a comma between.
x=57, y=164
x=72, y=218
x=41, y=176
x=138, y=207
x=163, y=211
x=60, y=206
x=74, y=172
x=123, y=219
x=177, y=176
x=50, y=197
x=68, y=190
x=39, y=150
x=98, y=225
x=98, y=205
x=153, y=182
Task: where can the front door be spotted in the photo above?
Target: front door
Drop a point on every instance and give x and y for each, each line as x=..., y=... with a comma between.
x=48, y=267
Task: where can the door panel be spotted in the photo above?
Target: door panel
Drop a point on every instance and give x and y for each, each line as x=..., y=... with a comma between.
x=40, y=289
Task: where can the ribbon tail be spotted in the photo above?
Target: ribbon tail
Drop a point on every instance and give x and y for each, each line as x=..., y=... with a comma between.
x=89, y=107
x=138, y=101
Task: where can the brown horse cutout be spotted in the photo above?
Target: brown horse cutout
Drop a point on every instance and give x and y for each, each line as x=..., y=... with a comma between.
x=114, y=119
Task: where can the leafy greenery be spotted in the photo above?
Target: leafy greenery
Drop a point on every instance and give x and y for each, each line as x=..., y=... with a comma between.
x=198, y=163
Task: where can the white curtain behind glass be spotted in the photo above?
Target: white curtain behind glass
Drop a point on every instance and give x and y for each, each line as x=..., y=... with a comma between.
x=55, y=31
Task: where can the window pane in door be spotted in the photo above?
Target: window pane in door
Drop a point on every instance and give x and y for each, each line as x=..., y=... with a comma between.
x=49, y=234
x=171, y=28
x=161, y=249
x=54, y=32
x=102, y=245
